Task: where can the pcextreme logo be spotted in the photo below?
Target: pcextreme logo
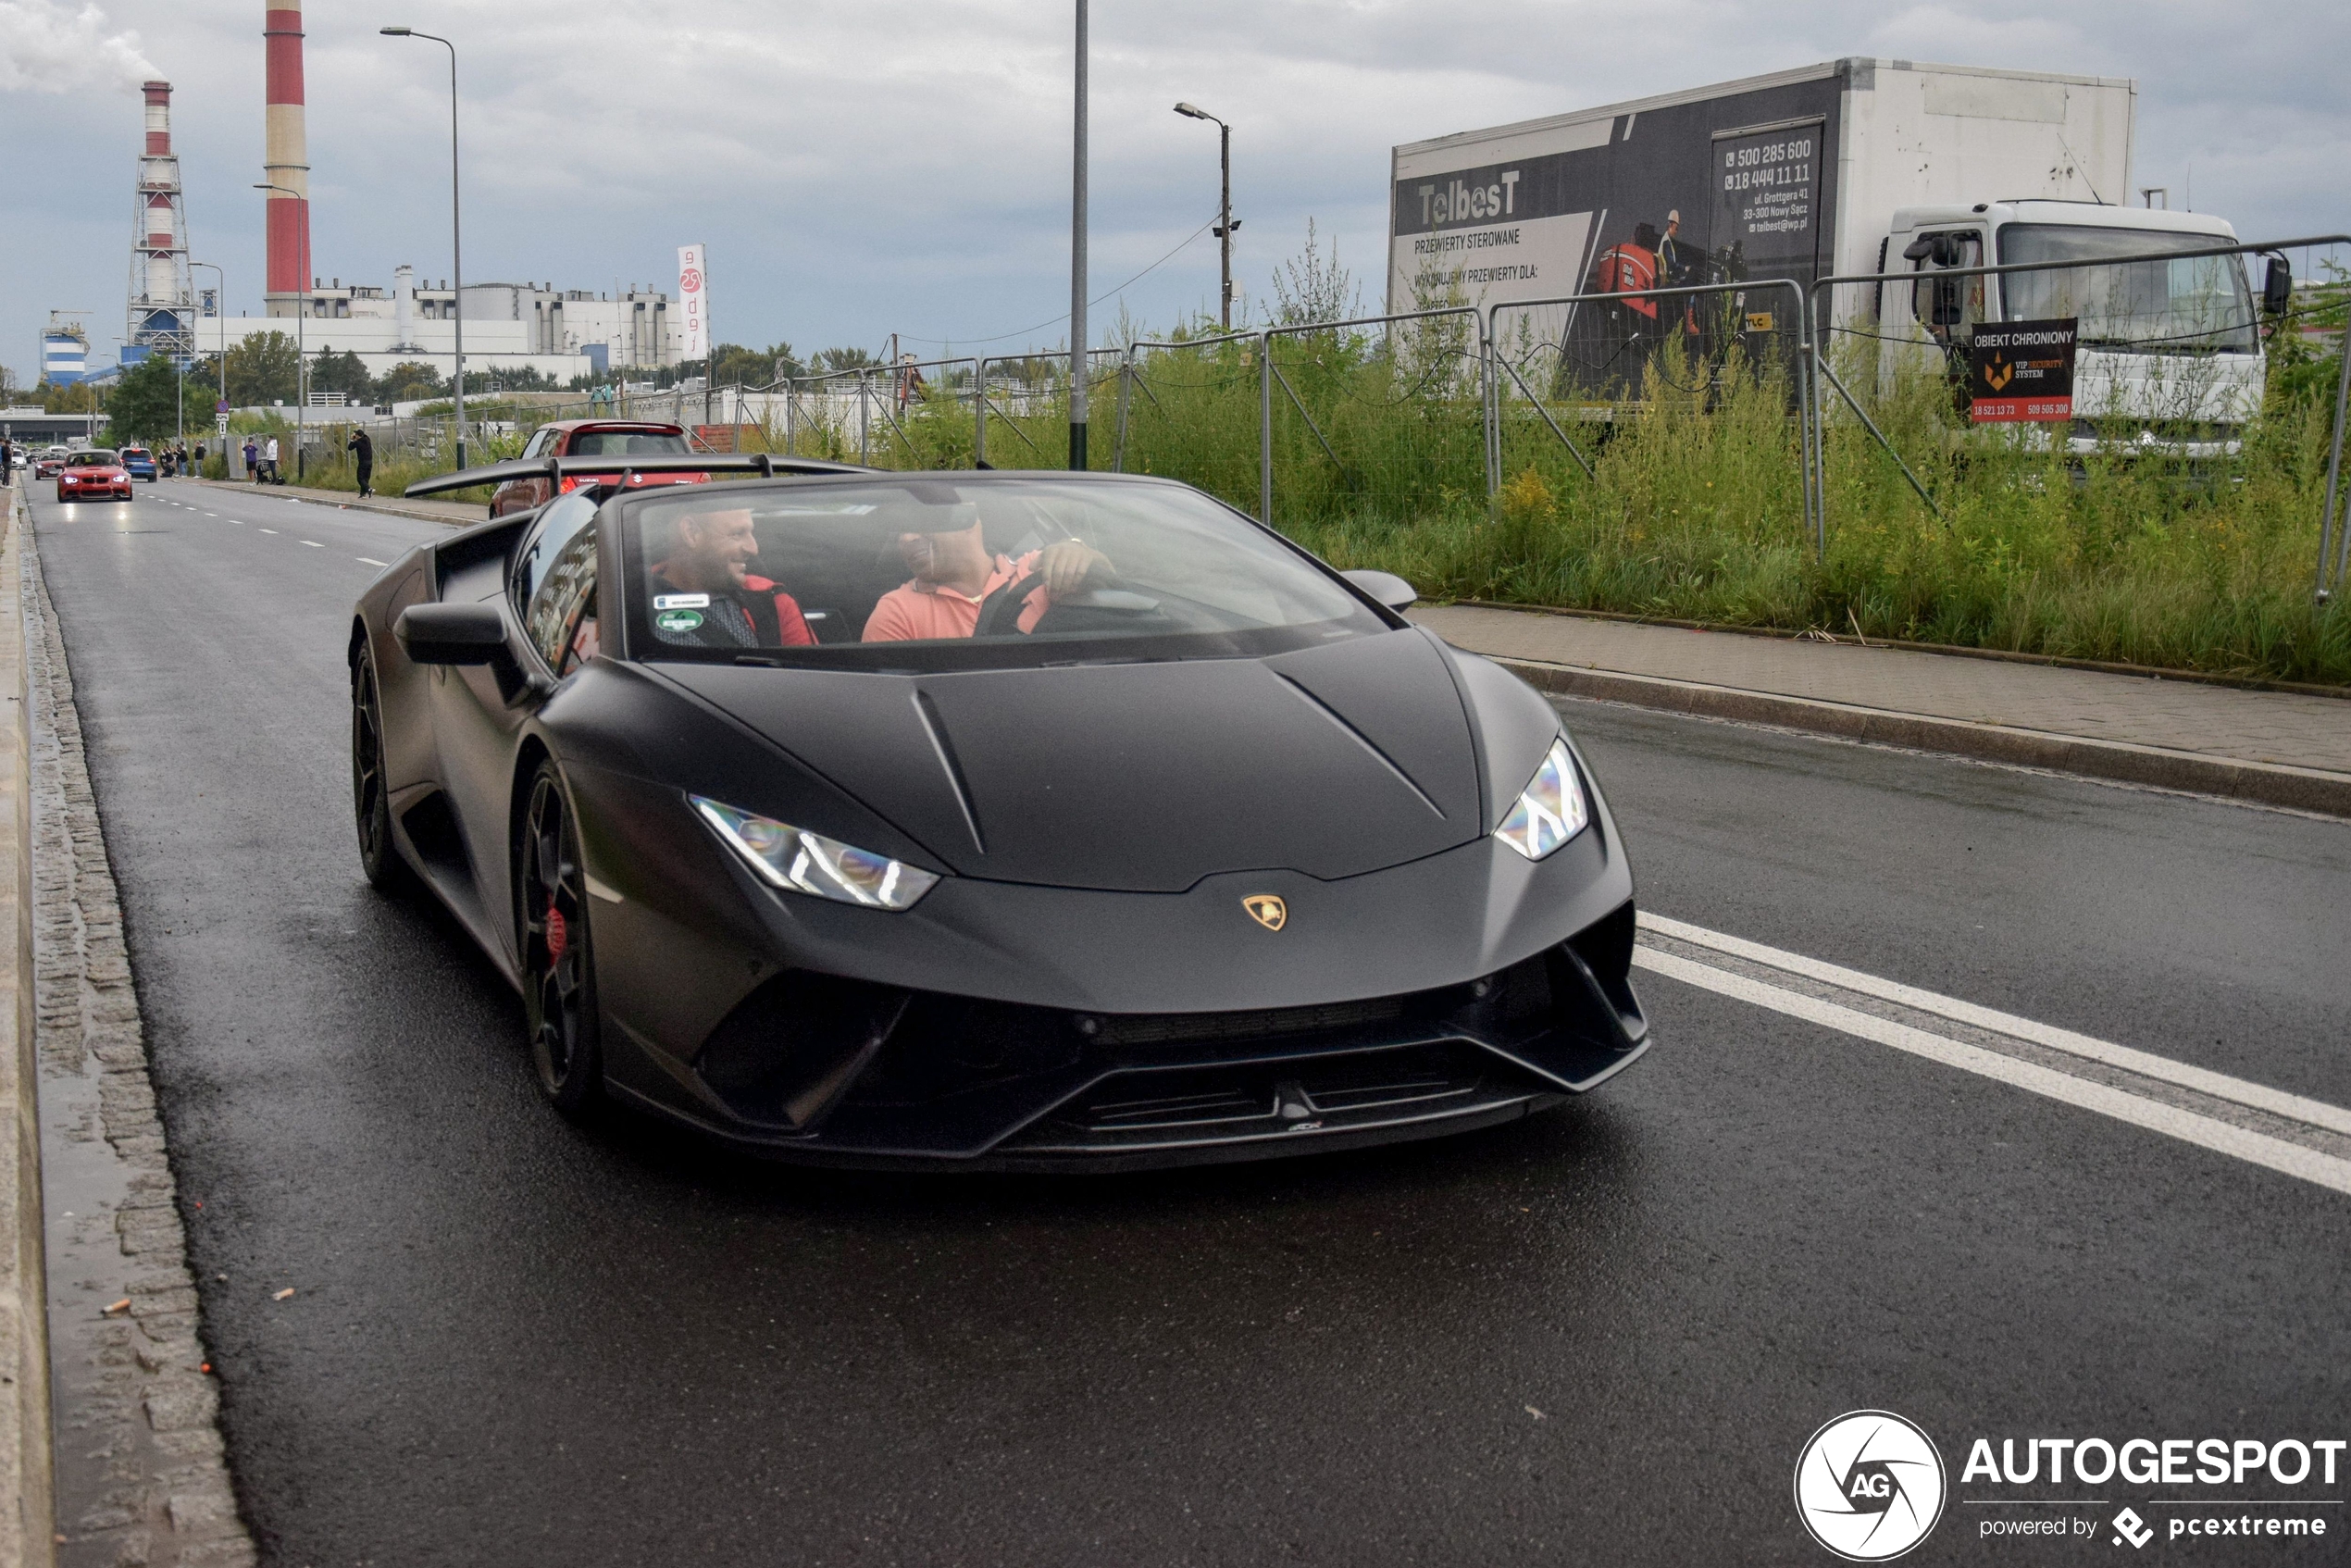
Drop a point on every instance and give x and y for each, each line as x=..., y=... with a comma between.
x=1869, y=1485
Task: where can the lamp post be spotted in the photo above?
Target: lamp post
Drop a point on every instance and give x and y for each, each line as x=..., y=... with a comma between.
x=457, y=240
x=1224, y=224
x=221, y=304
x=302, y=359
x=1077, y=263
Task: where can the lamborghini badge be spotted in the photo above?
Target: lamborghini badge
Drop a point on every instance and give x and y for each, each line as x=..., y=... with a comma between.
x=1267, y=910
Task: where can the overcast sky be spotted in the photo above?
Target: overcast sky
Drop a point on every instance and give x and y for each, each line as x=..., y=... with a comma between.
x=860, y=168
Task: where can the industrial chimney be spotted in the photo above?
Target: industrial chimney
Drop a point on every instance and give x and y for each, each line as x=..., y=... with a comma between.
x=287, y=160
x=161, y=307
x=404, y=309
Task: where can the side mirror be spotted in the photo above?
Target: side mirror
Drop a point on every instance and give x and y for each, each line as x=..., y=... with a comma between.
x=2277, y=286
x=452, y=634
x=1385, y=586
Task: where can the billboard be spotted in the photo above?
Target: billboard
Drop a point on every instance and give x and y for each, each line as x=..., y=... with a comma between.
x=1717, y=189
x=694, y=302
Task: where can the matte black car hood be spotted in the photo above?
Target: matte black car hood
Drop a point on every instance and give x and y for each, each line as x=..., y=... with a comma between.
x=1331, y=761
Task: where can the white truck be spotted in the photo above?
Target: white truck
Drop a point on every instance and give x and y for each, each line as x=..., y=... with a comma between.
x=2167, y=354
x=1850, y=167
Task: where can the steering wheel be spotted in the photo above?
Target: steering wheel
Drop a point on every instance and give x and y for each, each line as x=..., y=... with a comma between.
x=1000, y=614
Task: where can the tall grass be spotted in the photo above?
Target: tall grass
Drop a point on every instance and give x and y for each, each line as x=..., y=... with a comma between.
x=1695, y=508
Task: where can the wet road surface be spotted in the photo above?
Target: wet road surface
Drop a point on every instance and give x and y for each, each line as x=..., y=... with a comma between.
x=1601, y=1335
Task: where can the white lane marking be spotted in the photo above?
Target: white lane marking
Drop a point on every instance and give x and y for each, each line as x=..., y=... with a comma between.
x=2220, y=1086
x=370, y=560
x=314, y=544
x=269, y=530
x=2206, y=1132
x=597, y=890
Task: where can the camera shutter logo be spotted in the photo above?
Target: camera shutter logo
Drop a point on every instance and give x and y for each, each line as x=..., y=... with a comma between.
x=1869, y=1485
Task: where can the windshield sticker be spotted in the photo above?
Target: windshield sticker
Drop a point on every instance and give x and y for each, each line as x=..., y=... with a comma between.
x=678, y=620
x=681, y=601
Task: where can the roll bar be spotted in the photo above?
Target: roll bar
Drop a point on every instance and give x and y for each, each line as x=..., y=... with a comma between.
x=554, y=471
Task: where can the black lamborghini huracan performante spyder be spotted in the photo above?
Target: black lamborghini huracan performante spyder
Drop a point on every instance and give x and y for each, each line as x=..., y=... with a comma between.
x=989, y=820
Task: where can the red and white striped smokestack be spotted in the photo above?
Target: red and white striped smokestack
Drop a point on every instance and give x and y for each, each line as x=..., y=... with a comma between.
x=287, y=160
x=158, y=118
x=160, y=181
x=155, y=282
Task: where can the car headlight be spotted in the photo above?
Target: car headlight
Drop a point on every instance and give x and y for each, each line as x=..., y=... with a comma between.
x=1550, y=810
x=801, y=862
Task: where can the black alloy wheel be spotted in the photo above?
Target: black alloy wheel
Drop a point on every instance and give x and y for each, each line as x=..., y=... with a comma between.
x=370, y=800
x=559, y=980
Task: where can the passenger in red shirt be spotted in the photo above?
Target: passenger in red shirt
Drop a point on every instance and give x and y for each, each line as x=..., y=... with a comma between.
x=955, y=574
x=705, y=594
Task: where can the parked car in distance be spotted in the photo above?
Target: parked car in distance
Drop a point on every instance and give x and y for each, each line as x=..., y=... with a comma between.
x=594, y=437
x=139, y=462
x=94, y=474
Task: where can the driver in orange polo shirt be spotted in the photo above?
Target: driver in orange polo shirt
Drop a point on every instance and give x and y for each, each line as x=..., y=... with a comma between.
x=955, y=575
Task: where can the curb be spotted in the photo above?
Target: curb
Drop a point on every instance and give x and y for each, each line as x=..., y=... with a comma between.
x=2299, y=789
x=344, y=498
x=141, y=1467
x=26, y=1458
x=1948, y=650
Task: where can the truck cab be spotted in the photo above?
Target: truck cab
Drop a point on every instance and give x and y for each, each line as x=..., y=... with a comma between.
x=2169, y=356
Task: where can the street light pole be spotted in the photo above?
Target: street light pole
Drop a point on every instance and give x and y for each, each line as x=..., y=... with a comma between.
x=302, y=354
x=1077, y=263
x=456, y=238
x=1224, y=224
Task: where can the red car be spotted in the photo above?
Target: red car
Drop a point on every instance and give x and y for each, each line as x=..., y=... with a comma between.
x=594, y=437
x=94, y=475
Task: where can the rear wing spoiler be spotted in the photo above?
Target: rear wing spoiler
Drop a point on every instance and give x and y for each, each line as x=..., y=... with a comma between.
x=554, y=471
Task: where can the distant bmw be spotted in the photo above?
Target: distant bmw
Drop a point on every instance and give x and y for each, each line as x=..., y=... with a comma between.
x=986, y=819
x=94, y=474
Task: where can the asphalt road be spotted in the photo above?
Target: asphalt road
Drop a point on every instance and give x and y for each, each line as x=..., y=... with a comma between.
x=517, y=1341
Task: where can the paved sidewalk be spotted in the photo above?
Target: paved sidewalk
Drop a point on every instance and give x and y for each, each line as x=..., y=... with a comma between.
x=2281, y=748
x=455, y=513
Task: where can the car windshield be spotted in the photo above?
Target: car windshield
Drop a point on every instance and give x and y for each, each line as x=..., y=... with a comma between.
x=625, y=443
x=2193, y=304
x=966, y=572
x=91, y=460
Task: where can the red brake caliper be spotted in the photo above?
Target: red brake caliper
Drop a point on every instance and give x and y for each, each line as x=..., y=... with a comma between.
x=558, y=937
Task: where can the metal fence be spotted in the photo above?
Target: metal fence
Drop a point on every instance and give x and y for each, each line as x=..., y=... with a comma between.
x=1385, y=417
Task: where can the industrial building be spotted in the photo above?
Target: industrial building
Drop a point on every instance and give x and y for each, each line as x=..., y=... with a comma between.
x=562, y=333
x=65, y=350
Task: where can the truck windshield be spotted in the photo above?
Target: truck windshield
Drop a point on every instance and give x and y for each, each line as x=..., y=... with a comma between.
x=2198, y=304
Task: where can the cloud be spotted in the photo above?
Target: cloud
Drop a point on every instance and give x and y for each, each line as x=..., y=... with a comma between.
x=44, y=47
x=862, y=169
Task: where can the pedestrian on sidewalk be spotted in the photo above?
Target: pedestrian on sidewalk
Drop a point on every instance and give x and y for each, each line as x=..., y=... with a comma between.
x=363, y=456
x=271, y=458
x=8, y=460
x=252, y=460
